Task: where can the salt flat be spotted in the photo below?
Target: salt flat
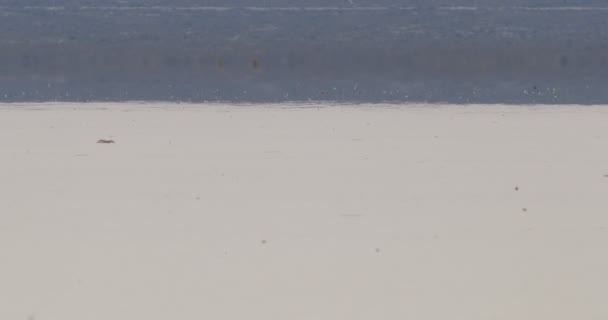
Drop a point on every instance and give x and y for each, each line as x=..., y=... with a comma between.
x=303, y=212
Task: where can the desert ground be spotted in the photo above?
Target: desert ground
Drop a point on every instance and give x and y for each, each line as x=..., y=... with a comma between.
x=303, y=211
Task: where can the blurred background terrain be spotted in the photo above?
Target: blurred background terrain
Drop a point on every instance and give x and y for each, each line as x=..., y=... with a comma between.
x=462, y=51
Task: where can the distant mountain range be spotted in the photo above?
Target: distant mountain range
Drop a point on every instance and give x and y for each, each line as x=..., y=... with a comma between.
x=283, y=50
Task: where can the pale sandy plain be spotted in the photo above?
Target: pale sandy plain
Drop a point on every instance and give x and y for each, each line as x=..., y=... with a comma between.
x=303, y=212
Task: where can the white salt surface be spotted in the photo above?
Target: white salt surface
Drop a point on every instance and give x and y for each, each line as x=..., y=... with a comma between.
x=274, y=212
